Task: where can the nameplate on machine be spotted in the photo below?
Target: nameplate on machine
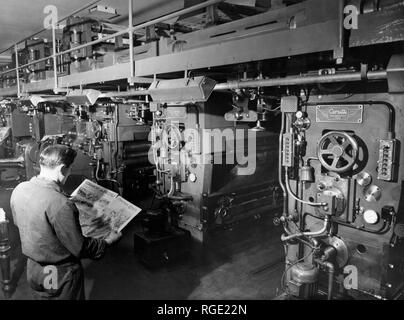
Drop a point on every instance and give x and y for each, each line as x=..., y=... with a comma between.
x=339, y=113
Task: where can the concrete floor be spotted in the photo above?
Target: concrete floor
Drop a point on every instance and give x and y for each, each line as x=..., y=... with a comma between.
x=245, y=262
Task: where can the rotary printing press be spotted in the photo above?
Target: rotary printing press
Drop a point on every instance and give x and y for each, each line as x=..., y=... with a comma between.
x=334, y=69
x=110, y=137
x=326, y=75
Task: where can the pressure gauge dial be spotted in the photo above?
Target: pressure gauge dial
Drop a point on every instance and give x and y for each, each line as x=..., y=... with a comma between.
x=192, y=177
x=371, y=217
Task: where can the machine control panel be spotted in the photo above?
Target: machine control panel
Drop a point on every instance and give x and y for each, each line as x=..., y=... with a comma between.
x=386, y=162
x=287, y=156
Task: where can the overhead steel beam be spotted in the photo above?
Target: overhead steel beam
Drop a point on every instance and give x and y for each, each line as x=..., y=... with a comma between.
x=319, y=37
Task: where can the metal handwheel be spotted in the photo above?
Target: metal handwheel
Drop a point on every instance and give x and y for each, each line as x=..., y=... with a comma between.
x=337, y=151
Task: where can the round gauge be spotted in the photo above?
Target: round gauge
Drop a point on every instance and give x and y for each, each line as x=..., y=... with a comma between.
x=192, y=177
x=371, y=217
x=373, y=193
x=299, y=115
x=364, y=179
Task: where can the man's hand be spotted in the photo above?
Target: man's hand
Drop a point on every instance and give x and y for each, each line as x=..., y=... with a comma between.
x=113, y=237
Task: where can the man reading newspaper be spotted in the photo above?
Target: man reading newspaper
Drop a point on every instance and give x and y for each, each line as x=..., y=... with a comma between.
x=101, y=210
x=50, y=231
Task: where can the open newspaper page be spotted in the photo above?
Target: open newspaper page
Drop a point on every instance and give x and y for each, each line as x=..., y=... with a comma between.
x=101, y=210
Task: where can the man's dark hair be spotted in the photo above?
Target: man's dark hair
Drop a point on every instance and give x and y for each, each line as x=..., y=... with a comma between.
x=55, y=155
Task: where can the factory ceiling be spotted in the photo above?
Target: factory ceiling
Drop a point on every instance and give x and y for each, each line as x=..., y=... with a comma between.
x=21, y=18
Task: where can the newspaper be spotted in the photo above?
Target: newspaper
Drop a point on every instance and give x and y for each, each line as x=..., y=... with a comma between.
x=101, y=210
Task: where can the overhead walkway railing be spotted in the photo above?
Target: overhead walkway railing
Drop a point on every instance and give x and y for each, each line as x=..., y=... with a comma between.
x=127, y=31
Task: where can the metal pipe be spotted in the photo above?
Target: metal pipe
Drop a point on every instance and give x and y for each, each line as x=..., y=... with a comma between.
x=25, y=65
x=132, y=71
x=124, y=93
x=301, y=80
x=17, y=71
x=285, y=195
x=308, y=234
x=341, y=32
x=341, y=28
x=240, y=84
x=117, y=121
x=55, y=71
x=331, y=271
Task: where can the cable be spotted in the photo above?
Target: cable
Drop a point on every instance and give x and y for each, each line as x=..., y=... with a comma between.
x=285, y=195
x=97, y=169
x=386, y=227
x=289, y=267
x=272, y=110
x=174, y=143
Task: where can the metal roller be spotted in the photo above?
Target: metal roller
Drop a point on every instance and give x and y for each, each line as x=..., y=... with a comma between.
x=141, y=161
x=136, y=155
x=136, y=147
